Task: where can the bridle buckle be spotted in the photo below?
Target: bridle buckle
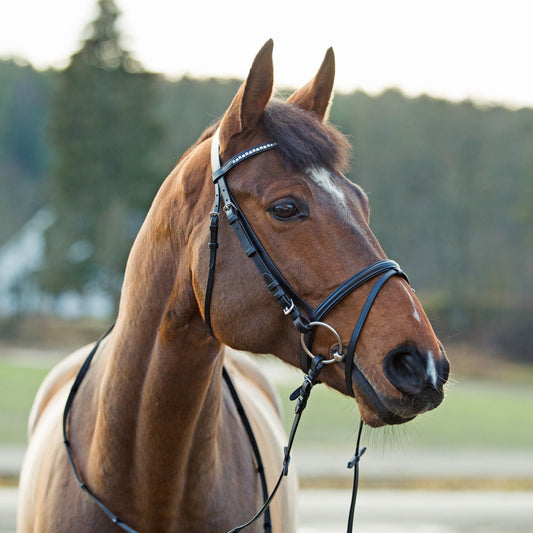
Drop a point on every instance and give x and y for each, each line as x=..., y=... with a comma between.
x=288, y=310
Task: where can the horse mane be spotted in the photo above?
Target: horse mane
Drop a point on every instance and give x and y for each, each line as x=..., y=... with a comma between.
x=303, y=141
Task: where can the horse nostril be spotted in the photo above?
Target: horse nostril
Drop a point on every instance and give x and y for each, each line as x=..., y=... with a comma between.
x=404, y=369
x=444, y=370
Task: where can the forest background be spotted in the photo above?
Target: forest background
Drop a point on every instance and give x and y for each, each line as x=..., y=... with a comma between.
x=450, y=184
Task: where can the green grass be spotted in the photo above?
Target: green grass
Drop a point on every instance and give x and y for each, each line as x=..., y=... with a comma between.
x=475, y=414
x=18, y=386
x=478, y=415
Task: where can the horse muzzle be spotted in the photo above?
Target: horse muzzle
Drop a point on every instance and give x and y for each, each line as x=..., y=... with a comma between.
x=418, y=379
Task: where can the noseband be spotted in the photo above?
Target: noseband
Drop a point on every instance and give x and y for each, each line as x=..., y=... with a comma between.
x=305, y=318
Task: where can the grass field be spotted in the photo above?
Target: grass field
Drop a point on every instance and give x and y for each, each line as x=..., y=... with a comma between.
x=475, y=414
x=480, y=415
x=18, y=385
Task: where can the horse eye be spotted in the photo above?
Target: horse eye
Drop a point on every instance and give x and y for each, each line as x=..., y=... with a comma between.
x=285, y=210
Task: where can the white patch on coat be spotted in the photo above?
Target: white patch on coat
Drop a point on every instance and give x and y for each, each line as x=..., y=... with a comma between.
x=431, y=369
x=322, y=178
x=415, y=311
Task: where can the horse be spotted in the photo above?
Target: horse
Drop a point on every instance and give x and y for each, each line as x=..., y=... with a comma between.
x=153, y=430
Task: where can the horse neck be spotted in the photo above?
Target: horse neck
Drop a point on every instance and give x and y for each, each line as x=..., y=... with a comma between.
x=160, y=393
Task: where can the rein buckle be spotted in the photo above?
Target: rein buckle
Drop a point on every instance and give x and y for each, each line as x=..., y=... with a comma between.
x=287, y=310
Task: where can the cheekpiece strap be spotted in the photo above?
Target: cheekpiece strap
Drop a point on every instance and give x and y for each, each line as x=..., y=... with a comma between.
x=288, y=300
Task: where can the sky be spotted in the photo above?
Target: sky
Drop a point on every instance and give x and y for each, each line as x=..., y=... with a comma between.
x=455, y=49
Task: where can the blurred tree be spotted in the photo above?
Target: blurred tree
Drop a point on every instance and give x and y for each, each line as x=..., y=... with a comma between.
x=187, y=106
x=105, y=168
x=450, y=184
x=447, y=182
x=24, y=96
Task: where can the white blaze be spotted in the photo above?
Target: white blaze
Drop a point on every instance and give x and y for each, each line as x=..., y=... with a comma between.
x=416, y=316
x=322, y=178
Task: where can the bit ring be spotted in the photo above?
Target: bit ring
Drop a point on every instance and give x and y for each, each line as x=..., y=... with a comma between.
x=338, y=357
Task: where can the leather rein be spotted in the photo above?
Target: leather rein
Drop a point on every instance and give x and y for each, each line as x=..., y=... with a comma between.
x=305, y=319
x=112, y=516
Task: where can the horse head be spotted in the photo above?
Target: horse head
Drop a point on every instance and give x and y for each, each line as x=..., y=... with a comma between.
x=313, y=224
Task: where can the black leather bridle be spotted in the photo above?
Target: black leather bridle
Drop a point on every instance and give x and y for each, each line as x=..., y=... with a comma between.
x=305, y=318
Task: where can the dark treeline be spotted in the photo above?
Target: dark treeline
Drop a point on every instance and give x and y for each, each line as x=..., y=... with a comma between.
x=450, y=187
x=24, y=151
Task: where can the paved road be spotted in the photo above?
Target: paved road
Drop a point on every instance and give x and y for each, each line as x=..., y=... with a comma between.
x=393, y=464
x=418, y=512
x=418, y=464
x=383, y=511
x=8, y=506
x=390, y=512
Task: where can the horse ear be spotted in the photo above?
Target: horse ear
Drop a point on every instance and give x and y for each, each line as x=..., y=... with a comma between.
x=252, y=97
x=316, y=95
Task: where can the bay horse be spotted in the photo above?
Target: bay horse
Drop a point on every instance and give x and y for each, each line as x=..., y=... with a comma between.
x=153, y=430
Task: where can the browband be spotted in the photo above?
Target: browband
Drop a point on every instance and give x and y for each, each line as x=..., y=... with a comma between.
x=219, y=171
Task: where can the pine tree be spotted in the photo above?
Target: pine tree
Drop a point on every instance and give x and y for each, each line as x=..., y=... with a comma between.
x=105, y=168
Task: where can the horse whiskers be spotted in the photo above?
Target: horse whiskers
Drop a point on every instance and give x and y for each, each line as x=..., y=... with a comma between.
x=388, y=437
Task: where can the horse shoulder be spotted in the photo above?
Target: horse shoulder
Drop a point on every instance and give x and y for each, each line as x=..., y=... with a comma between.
x=55, y=380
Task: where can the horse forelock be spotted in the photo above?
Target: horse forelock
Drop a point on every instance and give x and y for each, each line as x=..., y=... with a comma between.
x=303, y=141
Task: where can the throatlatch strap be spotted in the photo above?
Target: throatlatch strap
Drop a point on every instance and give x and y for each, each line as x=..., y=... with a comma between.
x=267, y=523
x=74, y=389
x=112, y=516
